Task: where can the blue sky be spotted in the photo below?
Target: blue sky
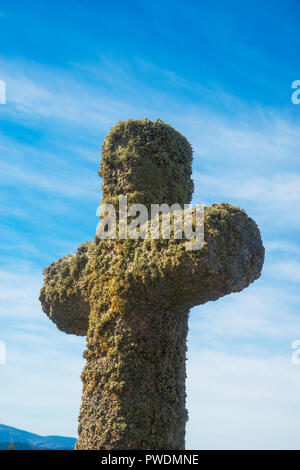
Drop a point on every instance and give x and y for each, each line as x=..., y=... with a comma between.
x=221, y=73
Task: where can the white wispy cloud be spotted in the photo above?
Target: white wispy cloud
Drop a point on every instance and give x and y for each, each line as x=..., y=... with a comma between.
x=49, y=172
x=37, y=92
x=282, y=246
x=261, y=313
x=19, y=293
x=277, y=190
x=242, y=402
x=288, y=270
x=252, y=157
x=84, y=184
x=239, y=387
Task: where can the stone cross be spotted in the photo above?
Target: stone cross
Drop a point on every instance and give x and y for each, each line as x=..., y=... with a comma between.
x=131, y=298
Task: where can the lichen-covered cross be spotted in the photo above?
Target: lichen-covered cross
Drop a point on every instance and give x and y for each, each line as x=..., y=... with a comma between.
x=132, y=297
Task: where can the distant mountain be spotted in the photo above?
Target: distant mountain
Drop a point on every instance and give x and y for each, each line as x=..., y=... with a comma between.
x=24, y=440
x=18, y=446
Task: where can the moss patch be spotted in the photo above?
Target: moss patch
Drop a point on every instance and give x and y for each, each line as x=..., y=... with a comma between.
x=132, y=297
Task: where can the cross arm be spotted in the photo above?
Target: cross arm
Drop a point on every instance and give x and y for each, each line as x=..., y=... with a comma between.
x=230, y=259
x=62, y=295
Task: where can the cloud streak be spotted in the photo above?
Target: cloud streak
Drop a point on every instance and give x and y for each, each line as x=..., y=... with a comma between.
x=242, y=402
x=240, y=380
